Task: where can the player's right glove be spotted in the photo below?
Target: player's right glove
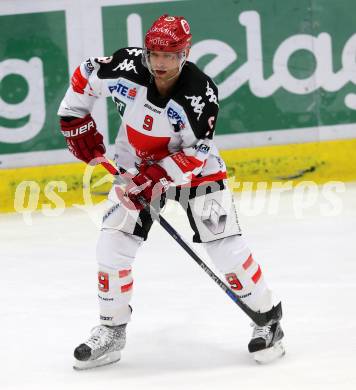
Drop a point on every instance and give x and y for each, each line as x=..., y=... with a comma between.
x=82, y=137
x=151, y=182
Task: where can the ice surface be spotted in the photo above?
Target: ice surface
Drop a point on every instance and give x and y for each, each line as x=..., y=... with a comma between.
x=185, y=332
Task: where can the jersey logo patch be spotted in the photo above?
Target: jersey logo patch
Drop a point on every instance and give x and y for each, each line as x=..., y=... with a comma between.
x=152, y=108
x=126, y=65
x=172, y=114
x=211, y=95
x=132, y=93
x=120, y=106
x=202, y=148
x=124, y=90
x=214, y=217
x=196, y=103
x=88, y=67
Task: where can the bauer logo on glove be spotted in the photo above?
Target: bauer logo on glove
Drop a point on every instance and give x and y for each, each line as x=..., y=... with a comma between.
x=83, y=139
x=78, y=130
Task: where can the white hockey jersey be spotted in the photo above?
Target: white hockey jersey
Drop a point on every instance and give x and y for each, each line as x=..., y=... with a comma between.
x=175, y=131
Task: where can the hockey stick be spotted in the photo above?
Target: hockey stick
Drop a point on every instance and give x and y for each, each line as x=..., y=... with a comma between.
x=260, y=319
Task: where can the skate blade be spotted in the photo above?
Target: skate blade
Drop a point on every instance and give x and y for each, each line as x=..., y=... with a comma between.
x=104, y=360
x=270, y=354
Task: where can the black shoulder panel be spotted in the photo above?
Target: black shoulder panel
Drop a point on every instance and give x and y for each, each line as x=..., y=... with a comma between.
x=198, y=95
x=126, y=62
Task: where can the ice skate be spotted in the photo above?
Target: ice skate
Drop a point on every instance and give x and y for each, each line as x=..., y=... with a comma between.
x=103, y=347
x=266, y=343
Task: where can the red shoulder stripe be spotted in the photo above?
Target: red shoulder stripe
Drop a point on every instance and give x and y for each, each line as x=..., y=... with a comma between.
x=78, y=81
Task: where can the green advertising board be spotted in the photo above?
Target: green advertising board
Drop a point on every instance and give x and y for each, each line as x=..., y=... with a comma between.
x=285, y=70
x=279, y=65
x=34, y=78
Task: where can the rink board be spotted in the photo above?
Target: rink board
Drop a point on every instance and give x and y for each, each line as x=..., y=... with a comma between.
x=55, y=185
x=285, y=85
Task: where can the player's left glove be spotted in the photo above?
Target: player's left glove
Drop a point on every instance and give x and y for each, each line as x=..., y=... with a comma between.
x=151, y=182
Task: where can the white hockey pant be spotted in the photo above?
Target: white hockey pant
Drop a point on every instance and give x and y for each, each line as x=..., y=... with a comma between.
x=213, y=219
x=232, y=257
x=116, y=250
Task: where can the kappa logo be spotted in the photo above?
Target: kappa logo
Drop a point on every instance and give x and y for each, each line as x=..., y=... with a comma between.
x=126, y=65
x=135, y=52
x=196, y=103
x=211, y=95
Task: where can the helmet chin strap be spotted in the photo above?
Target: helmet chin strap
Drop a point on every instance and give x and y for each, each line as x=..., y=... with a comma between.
x=182, y=62
x=179, y=70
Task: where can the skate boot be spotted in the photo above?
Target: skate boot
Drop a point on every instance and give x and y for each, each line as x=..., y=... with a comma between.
x=103, y=347
x=266, y=344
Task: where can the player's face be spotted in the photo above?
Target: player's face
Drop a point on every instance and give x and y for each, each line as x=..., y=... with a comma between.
x=164, y=65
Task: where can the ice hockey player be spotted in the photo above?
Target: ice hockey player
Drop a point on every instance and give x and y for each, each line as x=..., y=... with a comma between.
x=168, y=110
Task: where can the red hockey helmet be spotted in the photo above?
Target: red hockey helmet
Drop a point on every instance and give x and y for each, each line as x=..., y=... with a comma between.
x=168, y=33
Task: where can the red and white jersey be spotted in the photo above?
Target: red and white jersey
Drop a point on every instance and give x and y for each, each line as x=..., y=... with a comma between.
x=175, y=131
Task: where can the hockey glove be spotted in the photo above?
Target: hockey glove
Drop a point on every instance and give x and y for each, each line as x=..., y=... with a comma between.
x=82, y=137
x=149, y=183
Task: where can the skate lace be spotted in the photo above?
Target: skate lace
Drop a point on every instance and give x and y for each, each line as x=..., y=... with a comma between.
x=260, y=331
x=100, y=336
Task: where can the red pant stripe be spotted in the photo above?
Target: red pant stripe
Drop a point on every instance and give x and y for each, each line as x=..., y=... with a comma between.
x=126, y=287
x=124, y=273
x=256, y=277
x=248, y=262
